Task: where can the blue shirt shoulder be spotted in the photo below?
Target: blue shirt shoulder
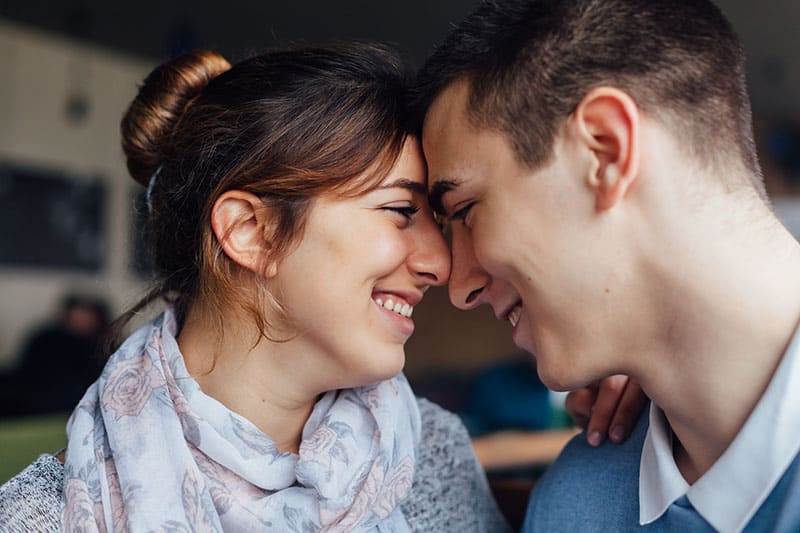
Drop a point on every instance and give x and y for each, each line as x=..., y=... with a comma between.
x=597, y=489
x=583, y=489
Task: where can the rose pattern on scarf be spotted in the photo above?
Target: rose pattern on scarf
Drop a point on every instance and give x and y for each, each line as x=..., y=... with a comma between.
x=179, y=401
x=219, y=464
x=395, y=488
x=119, y=517
x=380, y=494
x=252, y=437
x=129, y=385
x=375, y=395
x=342, y=520
x=318, y=447
x=79, y=512
x=226, y=488
x=327, y=443
x=198, y=515
x=298, y=521
x=217, y=480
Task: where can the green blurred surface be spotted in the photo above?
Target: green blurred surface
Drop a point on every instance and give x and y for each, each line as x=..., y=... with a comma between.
x=23, y=439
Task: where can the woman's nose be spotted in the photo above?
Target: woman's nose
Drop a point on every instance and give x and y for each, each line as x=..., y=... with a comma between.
x=430, y=258
x=468, y=280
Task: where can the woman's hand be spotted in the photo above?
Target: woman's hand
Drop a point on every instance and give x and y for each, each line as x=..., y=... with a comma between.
x=610, y=407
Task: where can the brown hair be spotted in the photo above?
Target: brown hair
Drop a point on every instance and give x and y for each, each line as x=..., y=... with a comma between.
x=286, y=125
x=530, y=62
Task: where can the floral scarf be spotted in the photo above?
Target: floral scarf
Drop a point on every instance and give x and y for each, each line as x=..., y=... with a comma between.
x=148, y=451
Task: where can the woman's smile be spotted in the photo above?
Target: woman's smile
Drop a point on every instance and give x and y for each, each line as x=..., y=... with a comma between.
x=397, y=311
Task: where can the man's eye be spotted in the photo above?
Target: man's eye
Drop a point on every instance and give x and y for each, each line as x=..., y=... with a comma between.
x=462, y=213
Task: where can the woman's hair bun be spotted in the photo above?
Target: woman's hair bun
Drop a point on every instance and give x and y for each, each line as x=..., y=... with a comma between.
x=162, y=99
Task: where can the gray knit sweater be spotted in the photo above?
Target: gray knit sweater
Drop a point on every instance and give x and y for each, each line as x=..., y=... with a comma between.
x=449, y=493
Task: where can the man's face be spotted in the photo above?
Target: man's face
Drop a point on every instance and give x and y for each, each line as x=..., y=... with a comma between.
x=523, y=240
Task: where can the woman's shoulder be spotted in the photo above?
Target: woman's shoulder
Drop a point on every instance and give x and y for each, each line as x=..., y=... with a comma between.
x=32, y=500
x=439, y=423
x=450, y=491
x=445, y=453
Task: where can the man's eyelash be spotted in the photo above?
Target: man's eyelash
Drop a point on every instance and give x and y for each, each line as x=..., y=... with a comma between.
x=461, y=214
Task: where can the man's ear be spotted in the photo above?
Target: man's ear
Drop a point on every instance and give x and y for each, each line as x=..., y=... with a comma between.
x=607, y=122
x=243, y=226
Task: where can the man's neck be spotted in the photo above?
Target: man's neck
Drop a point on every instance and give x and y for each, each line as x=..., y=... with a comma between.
x=730, y=315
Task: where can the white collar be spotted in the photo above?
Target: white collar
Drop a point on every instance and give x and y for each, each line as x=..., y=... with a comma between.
x=732, y=490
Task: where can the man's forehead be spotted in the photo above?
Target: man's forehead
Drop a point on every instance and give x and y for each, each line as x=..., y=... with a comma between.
x=443, y=135
x=449, y=106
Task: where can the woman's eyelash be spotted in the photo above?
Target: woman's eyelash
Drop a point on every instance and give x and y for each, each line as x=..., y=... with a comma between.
x=407, y=211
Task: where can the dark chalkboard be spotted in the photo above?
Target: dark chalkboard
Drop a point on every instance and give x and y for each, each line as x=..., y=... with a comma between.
x=51, y=220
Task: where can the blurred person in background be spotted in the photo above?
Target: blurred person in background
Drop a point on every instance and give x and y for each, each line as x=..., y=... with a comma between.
x=58, y=360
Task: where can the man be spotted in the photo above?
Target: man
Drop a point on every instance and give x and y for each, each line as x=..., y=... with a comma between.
x=596, y=163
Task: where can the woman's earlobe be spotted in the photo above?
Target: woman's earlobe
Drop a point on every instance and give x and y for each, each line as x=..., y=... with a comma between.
x=238, y=221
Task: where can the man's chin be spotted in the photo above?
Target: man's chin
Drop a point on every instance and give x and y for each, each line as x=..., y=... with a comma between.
x=555, y=377
x=523, y=340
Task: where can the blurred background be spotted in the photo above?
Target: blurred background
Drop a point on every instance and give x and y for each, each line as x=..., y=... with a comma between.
x=70, y=258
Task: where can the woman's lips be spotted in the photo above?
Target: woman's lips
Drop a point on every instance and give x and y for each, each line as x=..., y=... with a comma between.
x=394, y=303
x=397, y=311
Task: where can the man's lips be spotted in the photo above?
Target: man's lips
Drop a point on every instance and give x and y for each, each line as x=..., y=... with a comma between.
x=514, y=315
x=511, y=313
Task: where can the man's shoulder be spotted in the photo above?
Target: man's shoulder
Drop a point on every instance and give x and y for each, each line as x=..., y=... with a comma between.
x=32, y=500
x=589, y=485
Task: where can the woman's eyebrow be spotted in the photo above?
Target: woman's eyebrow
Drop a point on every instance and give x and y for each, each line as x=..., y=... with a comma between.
x=403, y=183
x=439, y=189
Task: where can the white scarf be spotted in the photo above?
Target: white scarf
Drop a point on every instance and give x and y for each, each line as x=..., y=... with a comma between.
x=149, y=451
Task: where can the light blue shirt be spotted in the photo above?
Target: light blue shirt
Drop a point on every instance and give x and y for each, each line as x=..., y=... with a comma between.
x=733, y=489
x=637, y=485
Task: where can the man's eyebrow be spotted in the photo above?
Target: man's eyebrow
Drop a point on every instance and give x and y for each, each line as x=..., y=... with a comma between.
x=438, y=191
x=413, y=186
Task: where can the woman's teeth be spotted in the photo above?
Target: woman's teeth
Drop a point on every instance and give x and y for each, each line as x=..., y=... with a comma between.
x=514, y=315
x=398, y=307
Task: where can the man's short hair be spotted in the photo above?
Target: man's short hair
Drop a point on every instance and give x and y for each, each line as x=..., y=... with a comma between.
x=530, y=62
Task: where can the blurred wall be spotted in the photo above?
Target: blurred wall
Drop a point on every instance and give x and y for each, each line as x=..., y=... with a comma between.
x=768, y=31
x=40, y=74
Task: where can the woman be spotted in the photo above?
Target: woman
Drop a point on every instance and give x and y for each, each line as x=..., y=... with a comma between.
x=292, y=239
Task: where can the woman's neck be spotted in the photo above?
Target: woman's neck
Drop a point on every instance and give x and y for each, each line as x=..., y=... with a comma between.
x=247, y=377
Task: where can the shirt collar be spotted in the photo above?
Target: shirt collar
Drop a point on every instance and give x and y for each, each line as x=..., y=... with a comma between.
x=733, y=489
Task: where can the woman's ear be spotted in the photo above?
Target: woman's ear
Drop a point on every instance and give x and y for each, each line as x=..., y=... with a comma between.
x=243, y=226
x=608, y=122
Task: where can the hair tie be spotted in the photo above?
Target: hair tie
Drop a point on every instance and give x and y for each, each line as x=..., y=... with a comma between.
x=150, y=185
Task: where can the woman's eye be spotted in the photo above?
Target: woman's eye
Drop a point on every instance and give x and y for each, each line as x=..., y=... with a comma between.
x=407, y=211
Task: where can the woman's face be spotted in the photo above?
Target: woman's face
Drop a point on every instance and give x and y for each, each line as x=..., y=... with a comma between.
x=351, y=283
